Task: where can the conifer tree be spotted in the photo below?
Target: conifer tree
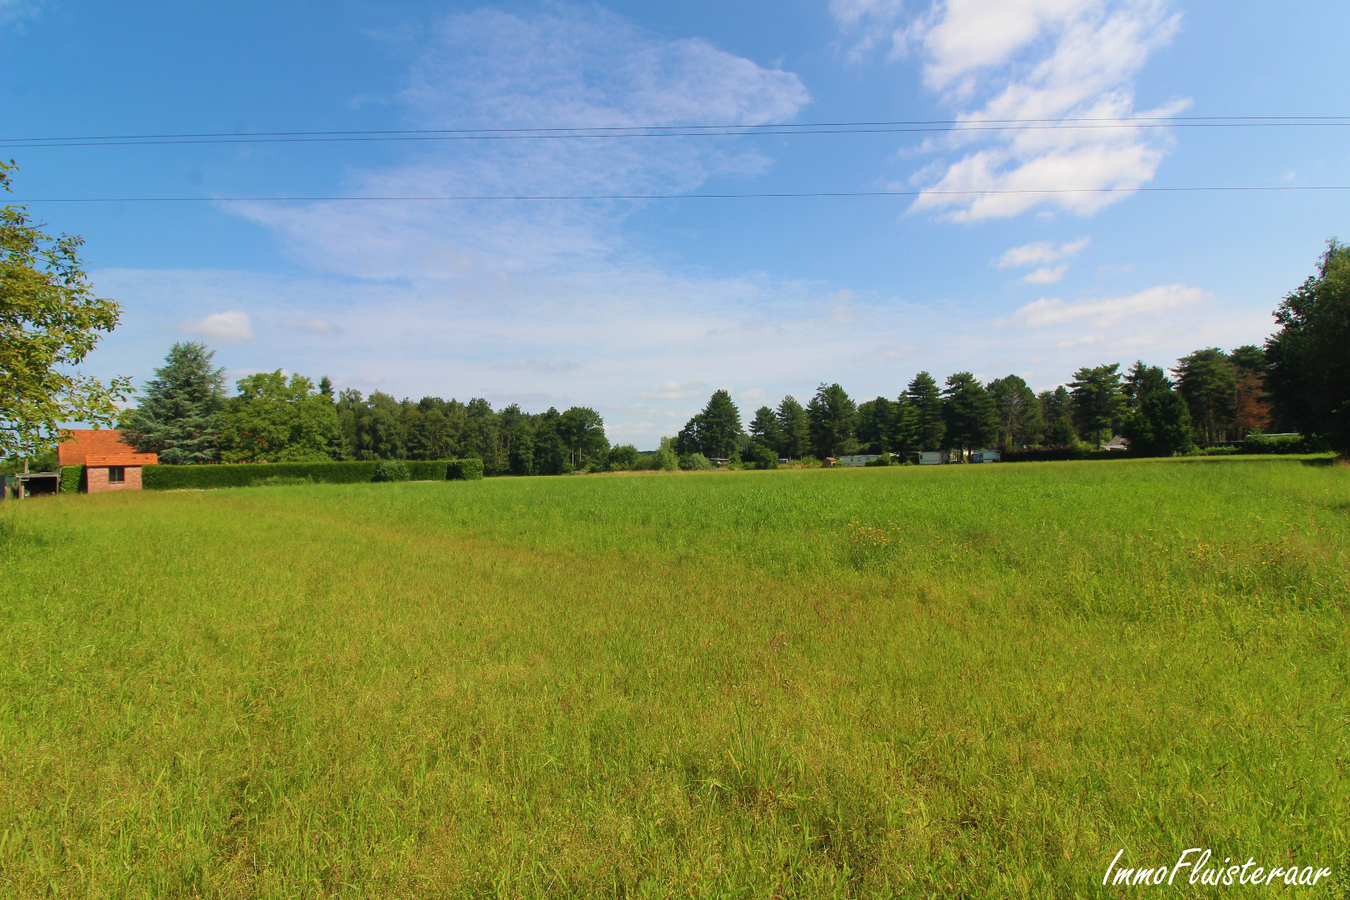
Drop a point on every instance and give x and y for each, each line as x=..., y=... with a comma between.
x=179, y=413
x=926, y=400
x=794, y=429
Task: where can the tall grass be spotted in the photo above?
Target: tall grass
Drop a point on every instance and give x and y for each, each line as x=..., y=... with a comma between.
x=957, y=681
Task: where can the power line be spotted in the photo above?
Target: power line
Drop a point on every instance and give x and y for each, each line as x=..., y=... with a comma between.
x=745, y=196
x=644, y=131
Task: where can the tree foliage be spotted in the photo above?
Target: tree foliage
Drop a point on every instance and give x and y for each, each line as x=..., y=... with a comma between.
x=876, y=424
x=50, y=320
x=832, y=416
x=275, y=420
x=926, y=399
x=1309, y=376
x=715, y=431
x=1097, y=400
x=1142, y=380
x=178, y=416
x=1160, y=426
x=793, y=428
x=1018, y=412
x=969, y=411
x=766, y=429
x=1056, y=412
x=1208, y=383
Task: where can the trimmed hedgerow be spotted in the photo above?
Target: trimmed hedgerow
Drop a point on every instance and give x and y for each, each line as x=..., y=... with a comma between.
x=72, y=479
x=165, y=478
x=465, y=470
x=427, y=469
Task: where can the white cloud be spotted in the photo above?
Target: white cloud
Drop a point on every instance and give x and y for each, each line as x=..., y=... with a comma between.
x=17, y=12
x=1045, y=275
x=998, y=60
x=570, y=67
x=1040, y=252
x=1104, y=313
x=231, y=327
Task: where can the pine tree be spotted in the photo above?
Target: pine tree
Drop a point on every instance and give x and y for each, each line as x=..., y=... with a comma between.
x=926, y=400
x=832, y=417
x=179, y=413
x=794, y=429
x=969, y=411
x=1097, y=400
x=765, y=427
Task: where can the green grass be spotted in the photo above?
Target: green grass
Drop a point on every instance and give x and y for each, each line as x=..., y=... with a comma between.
x=973, y=681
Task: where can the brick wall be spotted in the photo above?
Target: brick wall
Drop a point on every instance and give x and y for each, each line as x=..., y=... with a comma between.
x=97, y=477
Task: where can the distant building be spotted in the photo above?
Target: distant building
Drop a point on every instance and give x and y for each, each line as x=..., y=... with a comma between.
x=932, y=457
x=1116, y=443
x=986, y=456
x=857, y=460
x=109, y=464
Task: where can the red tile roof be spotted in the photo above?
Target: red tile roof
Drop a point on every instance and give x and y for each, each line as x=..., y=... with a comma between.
x=122, y=459
x=103, y=443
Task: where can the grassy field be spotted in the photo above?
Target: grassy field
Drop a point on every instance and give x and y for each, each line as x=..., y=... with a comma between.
x=975, y=681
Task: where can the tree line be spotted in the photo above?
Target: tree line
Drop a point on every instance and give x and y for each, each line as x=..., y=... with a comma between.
x=186, y=417
x=1299, y=381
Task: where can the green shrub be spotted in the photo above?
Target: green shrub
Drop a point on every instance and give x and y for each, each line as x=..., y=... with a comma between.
x=391, y=470
x=72, y=479
x=761, y=456
x=464, y=470
x=695, y=462
x=623, y=458
x=1283, y=443
x=882, y=460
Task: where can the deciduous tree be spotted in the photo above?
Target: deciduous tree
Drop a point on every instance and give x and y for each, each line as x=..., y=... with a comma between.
x=275, y=420
x=50, y=320
x=1309, y=376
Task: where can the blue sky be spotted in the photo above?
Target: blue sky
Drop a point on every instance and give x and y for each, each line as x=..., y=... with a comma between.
x=641, y=309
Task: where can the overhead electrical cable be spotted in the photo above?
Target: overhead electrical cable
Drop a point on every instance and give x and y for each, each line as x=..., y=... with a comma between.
x=741, y=196
x=643, y=131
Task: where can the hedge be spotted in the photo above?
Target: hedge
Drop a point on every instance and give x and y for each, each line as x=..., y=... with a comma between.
x=166, y=478
x=72, y=479
x=464, y=470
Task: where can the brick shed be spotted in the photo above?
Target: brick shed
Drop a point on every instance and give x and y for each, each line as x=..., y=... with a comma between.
x=109, y=464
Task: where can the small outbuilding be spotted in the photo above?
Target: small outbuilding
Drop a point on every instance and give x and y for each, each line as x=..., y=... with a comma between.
x=858, y=459
x=109, y=464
